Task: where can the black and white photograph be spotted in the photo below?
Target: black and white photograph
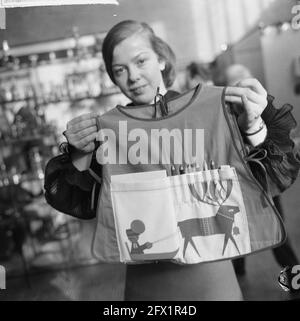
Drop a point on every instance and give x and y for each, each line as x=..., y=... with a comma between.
x=149, y=151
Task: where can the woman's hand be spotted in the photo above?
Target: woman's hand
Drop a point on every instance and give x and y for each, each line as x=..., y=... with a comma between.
x=81, y=132
x=251, y=99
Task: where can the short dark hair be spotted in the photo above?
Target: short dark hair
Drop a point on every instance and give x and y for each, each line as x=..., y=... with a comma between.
x=127, y=28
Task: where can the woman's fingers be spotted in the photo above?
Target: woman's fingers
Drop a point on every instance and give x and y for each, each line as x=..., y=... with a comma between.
x=82, y=131
x=75, y=138
x=239, y=101
x=86, y=141
x=236, y=95
x=254, y=84
x=86, y=132
x=89, y=147
x=250, y=95
x=253, y=110
x=79, y=119
x=233, y=99
x=240, y=91
x=77, y=128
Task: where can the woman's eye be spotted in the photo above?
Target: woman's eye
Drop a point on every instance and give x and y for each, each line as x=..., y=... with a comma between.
x=141, y=61
x=119, y=71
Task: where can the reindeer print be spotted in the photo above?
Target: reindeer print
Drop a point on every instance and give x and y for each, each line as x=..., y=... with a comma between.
x=221, y=223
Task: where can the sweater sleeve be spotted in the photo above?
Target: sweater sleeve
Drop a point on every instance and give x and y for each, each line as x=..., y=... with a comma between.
x=282, y=161
x=69, y=190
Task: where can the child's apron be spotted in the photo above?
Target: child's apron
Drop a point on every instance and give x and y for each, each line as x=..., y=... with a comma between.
x=149, y=210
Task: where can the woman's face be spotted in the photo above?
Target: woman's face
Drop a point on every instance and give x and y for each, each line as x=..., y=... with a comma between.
x=137, y=69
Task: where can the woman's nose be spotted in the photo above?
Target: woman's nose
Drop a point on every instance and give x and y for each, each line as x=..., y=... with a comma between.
x=133, y=74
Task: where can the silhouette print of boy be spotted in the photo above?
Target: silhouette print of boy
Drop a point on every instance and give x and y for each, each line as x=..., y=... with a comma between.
x=137, y=227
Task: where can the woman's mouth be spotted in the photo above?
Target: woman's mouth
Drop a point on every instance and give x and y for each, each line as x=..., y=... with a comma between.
x=138, y=90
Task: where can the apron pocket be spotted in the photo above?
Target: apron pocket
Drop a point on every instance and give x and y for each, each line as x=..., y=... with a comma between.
x=145, y=219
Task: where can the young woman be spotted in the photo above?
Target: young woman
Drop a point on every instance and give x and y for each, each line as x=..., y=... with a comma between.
x=139, y=62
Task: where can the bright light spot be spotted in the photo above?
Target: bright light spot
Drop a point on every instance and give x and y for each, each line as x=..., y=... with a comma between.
x=224, y=47
x=285, y=26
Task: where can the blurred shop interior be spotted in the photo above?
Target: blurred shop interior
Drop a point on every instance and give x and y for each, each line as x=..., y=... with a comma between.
x=51, y=70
